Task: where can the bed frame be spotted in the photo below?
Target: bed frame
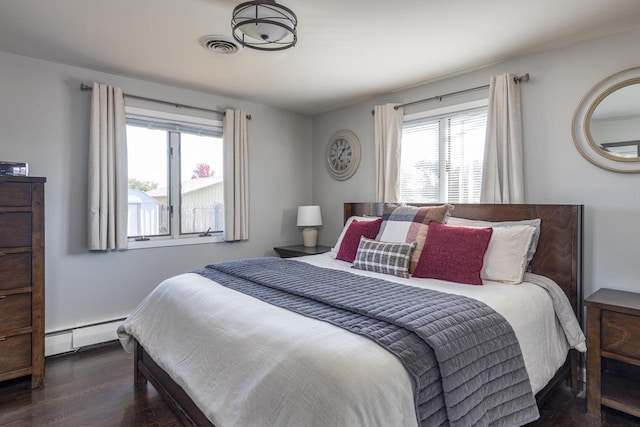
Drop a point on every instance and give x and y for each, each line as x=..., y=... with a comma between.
x=558, y=256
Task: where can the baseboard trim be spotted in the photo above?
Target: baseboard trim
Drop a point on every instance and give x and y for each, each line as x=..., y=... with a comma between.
x=69, y=340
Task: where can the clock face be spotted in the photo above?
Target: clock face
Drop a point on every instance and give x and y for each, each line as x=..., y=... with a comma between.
x=343, y=154
x=340, y=154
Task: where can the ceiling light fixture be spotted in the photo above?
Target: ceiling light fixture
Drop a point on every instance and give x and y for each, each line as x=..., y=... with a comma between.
x=264, y=25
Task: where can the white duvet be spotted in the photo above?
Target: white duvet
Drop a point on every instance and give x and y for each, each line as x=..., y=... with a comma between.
x=247, y=363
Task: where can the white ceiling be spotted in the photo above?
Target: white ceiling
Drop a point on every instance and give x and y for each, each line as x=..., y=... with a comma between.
x=347, y=50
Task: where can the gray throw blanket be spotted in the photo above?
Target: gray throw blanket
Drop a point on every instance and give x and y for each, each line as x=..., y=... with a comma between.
x=464, y=358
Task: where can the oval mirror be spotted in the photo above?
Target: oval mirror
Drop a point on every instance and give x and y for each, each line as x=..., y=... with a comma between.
x=606, y=125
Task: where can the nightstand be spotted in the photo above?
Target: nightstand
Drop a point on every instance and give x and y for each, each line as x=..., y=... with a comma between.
x=299, y=250
x=613, y=351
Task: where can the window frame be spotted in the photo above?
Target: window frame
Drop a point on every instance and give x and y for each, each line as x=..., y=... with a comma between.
x=432, y=113
x=212, y=127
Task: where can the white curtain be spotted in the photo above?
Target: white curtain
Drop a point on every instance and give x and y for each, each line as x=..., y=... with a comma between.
x=236, y=176
x=388, y=136
x=502, y=174
x=108, y=207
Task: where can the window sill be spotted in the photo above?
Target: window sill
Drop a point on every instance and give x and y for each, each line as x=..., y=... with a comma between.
x=184, y=241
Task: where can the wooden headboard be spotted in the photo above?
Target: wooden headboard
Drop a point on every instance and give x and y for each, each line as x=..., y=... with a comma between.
x=559, y=252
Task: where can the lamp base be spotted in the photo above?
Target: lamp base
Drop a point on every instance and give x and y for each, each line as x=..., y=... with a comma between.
x=309, y=237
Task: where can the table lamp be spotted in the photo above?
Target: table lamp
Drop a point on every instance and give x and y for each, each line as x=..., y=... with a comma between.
x=309, y=217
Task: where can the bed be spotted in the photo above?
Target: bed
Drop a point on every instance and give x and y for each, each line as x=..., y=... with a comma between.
x=558, y=257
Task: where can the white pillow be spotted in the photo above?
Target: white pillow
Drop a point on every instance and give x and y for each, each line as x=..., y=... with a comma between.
x=506, y=257
x=336, y=248
x=463, y=222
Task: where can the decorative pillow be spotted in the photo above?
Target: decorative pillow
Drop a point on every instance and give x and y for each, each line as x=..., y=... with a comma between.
x=477, y=223
x=454, y=253
x=336, y=248
x=384, y=257
x=409, y=224
x=506, y=257
x=351, y=239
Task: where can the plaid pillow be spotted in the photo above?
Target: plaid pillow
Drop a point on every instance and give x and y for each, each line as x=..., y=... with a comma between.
x=384, y=257
x=410, y=224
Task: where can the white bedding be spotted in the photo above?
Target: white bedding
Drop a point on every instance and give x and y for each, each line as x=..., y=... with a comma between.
x=247, y=363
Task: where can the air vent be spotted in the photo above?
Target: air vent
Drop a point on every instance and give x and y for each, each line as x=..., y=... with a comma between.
x=219, y=44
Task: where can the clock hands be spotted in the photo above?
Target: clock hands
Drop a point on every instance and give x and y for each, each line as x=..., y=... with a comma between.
x=340, y=160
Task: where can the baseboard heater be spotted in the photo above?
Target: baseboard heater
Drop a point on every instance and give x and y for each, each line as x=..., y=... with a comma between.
x=68, y=340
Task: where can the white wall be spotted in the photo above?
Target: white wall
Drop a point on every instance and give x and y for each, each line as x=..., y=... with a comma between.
x=555, y=172
x=44, y=121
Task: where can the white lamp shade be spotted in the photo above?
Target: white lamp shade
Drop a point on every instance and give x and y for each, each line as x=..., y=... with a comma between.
x=309, y=216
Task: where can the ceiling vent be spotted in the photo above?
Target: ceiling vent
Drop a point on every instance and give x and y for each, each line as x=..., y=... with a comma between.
x=219, y=44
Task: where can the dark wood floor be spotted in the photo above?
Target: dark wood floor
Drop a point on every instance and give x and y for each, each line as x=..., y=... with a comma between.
x=95, y=388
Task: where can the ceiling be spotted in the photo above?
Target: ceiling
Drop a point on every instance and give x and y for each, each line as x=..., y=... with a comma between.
x=347, y=51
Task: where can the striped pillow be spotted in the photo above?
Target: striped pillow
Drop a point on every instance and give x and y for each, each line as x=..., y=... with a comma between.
x=384, y=257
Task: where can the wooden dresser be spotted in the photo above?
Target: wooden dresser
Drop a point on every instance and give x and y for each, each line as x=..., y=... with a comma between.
x=613, y=351
x=22, y=278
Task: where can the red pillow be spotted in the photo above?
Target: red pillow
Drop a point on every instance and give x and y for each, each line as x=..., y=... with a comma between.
x=351, y=239
x=453, y=253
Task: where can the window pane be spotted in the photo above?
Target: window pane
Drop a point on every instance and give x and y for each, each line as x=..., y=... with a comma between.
x=201, y=187
x=442, y=157
x=148, y=178
x=419, y=162
x=466, y=134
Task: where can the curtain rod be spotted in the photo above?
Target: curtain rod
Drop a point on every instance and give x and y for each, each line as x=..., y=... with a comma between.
x=523, y=78
x=86, y=87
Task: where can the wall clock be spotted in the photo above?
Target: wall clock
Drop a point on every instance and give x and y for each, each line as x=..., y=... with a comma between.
x=343, y=154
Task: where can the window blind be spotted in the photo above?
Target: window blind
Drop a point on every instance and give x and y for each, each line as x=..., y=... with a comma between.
x=174, y=126
x=441, y=157
x=173, y=122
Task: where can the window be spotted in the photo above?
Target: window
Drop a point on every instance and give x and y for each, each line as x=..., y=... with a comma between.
x=175, y=176
x=442, y=155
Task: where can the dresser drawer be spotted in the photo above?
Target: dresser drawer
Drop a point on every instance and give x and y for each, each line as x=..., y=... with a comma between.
x=15, y=353
x=15, y=270
x=15, y=229
x=15, y=194
x=15, y=312
x=620, y=333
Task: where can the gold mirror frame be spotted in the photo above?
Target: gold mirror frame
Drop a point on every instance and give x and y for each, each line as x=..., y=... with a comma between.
x=580, y=127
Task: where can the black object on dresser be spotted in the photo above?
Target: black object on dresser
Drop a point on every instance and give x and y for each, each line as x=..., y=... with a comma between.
x=22, y=278
x=613, y=351
x=300, y=250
